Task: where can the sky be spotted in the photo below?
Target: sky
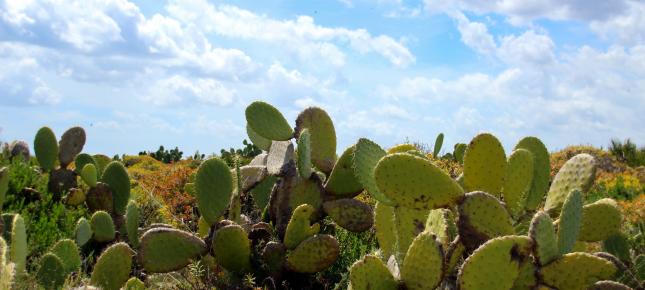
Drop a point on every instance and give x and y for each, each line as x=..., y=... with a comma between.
x=139, y=74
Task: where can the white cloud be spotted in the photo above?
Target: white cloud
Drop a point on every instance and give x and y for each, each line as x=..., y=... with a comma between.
x=627, y=28
x=528, y=48
x=475, y=34
x=179, y=89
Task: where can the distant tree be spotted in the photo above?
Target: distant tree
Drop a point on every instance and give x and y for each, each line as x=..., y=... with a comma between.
x=245, y=154
x=164, y=155
x=627, y=152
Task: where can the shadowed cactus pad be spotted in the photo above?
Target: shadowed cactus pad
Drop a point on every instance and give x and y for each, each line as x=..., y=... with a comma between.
x=600, y=220
x=385, y=228
x=71, y=143
x=268, y=122
x=415, y=182
x=102, y=227
x=323, y=137
x=543, y=234
x=46, y=148
x=484, y=165
x=370, y=273
x=314, y=254
x=232, y=249
x=366, y=156
x=423, y=264
x=299, y=228
x=577, y=173
x=576, y=271
x=342, y=182
x=83, y=232
x=350, y=214
x=132, y=223
x=100, y=197
x=570, y=222
x=69, y=255
x=257, y=140
x=517, y=180
x=482, y=217
x=51, y=274
x=541, y=170
x=495, y=264
x=116, y=177
x=164, y=250
x=112, y=269
x=304, y=154
x=214, y=187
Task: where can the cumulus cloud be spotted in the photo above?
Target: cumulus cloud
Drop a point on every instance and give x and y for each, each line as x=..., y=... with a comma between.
x=178, y=89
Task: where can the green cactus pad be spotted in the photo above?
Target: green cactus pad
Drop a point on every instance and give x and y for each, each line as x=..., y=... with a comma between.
x=437, y=145
x=541, y=171
x=112, y=269
x=618, y=245
x=3, y=253
x=116, y=177
x=458, y=153
x=577, y=173
x=482, y=217
x=18, y=246
x=608, y=285
x=232, y=249
x=71, y=143
x=495, y=264
x=409, y=224
x=299, y=228
x=4, y=184
x=46, y=148
x=132, y=224
x=526, y=280
x=576, y=271
x=600, y=220
x=165, y=250
x=385, y=228
x=366, y=156
x=570, y=222
x=453, y=256
x=441, y=223
x=262, y=191
x=304, y=154
x=268, y=122
x=370, y=273
x=401, y=148
x=415, y=182
x=101, y=162
x=484, y=165
x=51, y=274
x=83, y=159
x=257, y=140
x=543, y=235
x=214, y=187
x=517, y=180
x=314, y=254
x=69, y=255
x=323, y=137
x=89, y=174
x=350, y=214
x=342, y=183
x=134, y=284
x=281, y=153
x=83, y=232
x=423, y=264
x=102, y=227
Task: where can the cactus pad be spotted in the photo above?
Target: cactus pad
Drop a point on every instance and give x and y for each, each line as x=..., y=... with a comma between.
x=102, y=227
x=134, y=284
x=304, y=154
x=484, y=165
x=99, y=197
x=385, y=228
x=541, y=170
x=116, y=177
x=214, y=187
x=460, y=150
x=618, y=245
x=323, y=137
x=257, y=140
x=232, y=249
x=342, y=182
x=495, y=264
x=262, y=191
x=543, y=235
x=68, y=253
x=4, y=184
x=409, y=224
x=281, y=153
x=401, y=148
x=273, y=256
x=51, y=274
x=437, y=145
x=441, y=223
x=366, y=156
x=576, y=271
x=83, y=232
x=577, y=173
x=370, y=273
x=517, y=180
x=482, y=217
x=350, y=214
x=89, y=174
x=112, y=269
x=600, y=220
x=299, y=228
x=314, y=254
x=250, y=176
x=81, y=160
x=415, y=182
x=423, y=264
x=164, y=250
x=608, y=285
x=71, y=143
x=526, y=279
x=570, y=222
x=268, y=122
x=18, y=246
x=132, y=224
x=46, y=148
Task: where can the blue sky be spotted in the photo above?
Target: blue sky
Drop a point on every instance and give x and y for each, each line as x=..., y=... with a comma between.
x=139, y=74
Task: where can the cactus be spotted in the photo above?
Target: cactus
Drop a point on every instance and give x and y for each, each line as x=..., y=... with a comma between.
x=441, y=223
x=134, y=284
x=18, y=246
x=46, y=148
x=323, y=137
x=257, y=140
x=6, y=268
x=385, y=229
x=342, y=183
x=600, y=220
x=366, y=156
x=618, y=245
x=459, y=151
x=569, y=222
x=165, y=249
x=268, y=122
x=409, y=223
x=401, y=148
x=112, y=269
x=437, y=145
x=543, y=235
x=67, y=251
x=517, y=180
x=541, y=170
x=100, y=197
x=482, y=217
x=83, y=232
x=576, y=271
x=102, y=227
x=214, y=186
x=232, y=249
x=20, y=148
x=51, y=274
x=70, y=144
x=350, y=214
x=281, y=153
x=608, y=285
x=83, y=159
x=116, y=177
x=313, y=254
x=370, y=273
x=304, y=154
x=576, y=174
x=132, y=224
x=4, y=184
x=423, y=264
x=484, y=165
x=299, y=228
x=89, y=174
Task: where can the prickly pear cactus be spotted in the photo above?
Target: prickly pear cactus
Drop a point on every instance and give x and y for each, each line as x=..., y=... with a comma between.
x=214, y=187
x=314, y=254
x=232, y=249
x=350, y=214
x=83, y=232
x=116, y=177
x=422, y=267
x=600, y=220
x=89, y=174
x=577, y=173
x=385, y=229
x=268, y=122
x=299, y=228
x=570, y=222
x=576, y=271
x=102, y=227
x=51, y=273
x=366, y=156
x=517, y=180
x=401, y=148
x=71, y=143
x=484, y=165
x=342, y=183
x=482, y=217
x=437, y=145
x=112, y=269
x=69, y=255
x=608, y=285
x=257, y=140
x=543, y=235
x=304, y=154
x=323, y=137
x=134, y=284
x=164, y=250
x=370, y=273
x=46, y=148
x=18, y=247
x=132, y=224
x=541, y=171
